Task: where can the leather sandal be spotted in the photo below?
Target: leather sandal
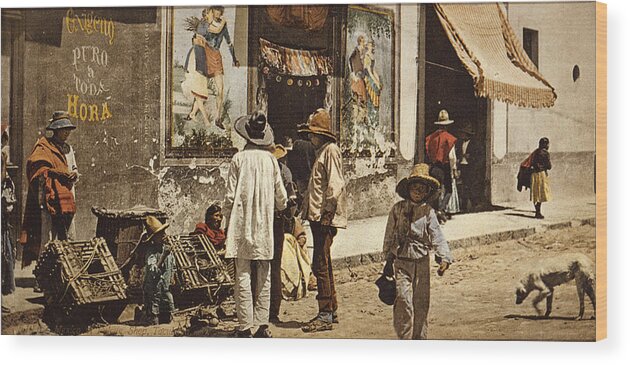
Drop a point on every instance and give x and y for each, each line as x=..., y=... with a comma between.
x=317, y=325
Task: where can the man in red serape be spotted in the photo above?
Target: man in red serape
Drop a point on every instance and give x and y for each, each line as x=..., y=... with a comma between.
x=52, y=160
x=440, y=153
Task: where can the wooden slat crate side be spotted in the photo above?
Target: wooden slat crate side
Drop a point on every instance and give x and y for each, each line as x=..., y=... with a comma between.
x=72, y=282
x=187, y=249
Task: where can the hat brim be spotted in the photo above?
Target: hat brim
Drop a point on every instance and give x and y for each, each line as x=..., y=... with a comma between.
x=444, y=122
x=302, y=128
x=69, y=126
x=278, y=153
x=402, y=188
x=322, y=133
x=164, y=226
x=239, y=127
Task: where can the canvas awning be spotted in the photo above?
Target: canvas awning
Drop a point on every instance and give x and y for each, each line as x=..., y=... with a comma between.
x=487, y=46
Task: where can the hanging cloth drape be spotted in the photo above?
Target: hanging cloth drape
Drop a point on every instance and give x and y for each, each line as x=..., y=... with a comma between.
x=294, y=62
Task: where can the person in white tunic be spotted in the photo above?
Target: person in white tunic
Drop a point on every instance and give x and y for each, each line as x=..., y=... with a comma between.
x=254, y=190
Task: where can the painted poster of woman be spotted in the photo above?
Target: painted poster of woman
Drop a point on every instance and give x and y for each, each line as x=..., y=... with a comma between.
x=367, y=112
x=207, y=82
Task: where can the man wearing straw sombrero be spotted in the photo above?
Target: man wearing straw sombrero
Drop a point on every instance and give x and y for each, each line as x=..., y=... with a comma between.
x=440, y=152
x=412, y=231
x=325, y=208
x=254, y=190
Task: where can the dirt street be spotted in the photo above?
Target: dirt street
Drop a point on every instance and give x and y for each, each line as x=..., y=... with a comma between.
x=473, y=300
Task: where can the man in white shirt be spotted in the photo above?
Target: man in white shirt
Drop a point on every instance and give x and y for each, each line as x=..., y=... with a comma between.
x=254, y=189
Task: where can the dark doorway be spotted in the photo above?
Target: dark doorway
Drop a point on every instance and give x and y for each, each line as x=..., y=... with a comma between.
x=290, y=101
x=449, y=86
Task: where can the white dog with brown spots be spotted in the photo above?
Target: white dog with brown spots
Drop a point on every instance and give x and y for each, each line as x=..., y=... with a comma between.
x=558, y=270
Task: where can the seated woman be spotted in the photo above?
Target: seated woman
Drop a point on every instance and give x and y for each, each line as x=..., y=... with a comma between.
x=297, y=276
x=212, y=227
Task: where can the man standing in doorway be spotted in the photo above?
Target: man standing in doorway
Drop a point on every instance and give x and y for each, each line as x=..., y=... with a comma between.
x=325, y=208
x=440, y=152
x=468, y=158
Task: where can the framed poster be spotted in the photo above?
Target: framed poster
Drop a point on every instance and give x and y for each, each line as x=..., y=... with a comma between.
x=367, y=116
x=203, y=84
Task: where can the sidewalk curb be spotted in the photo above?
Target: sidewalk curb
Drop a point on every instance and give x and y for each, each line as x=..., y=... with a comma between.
x=485, y=239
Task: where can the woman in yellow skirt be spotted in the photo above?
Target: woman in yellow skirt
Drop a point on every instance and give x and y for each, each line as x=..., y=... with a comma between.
x=540, y=163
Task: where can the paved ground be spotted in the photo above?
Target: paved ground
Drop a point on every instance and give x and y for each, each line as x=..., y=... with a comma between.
x=366, y=235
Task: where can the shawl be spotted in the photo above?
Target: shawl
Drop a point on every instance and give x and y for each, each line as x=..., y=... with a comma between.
x=216, y=236
x=524, y=177
x=438, y=146
x=46, y=164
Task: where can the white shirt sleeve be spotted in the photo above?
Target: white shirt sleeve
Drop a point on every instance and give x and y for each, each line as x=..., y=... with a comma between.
x=452, y=158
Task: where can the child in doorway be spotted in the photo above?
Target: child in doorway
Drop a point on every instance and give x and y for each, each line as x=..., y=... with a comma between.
x=412, y=231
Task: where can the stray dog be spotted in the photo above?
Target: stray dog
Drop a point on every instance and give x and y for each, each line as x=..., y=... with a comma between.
x=556, y=271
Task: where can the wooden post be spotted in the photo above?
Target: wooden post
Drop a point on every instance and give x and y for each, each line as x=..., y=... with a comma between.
x=420, y=112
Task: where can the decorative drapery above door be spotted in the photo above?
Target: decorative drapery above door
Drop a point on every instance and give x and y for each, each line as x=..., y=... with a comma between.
x=294, y=62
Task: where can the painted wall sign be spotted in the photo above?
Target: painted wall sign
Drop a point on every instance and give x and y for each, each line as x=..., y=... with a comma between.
x=206, y=87
x=88, y=99
x=90, y=24
x=367, y=113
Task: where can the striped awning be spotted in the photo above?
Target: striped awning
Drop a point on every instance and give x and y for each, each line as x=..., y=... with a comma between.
x=489, y=50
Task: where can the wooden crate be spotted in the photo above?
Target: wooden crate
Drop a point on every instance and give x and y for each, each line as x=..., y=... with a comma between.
x=198, y=264
x=78, y=273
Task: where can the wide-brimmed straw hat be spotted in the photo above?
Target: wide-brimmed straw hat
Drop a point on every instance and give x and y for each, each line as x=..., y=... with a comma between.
x=443, y=118
x=279, y=151
x=153, y=226
x=60, y=120
x=419, y=172
x=255, y=129
x=320, y=123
